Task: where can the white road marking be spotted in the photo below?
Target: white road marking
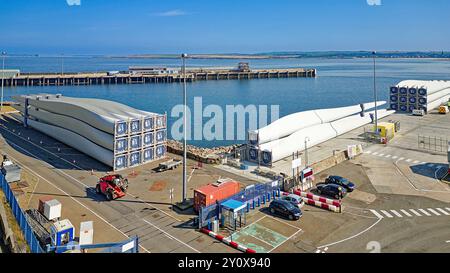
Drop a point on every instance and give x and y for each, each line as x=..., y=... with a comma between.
x=354, y=236
x=170, y=236
x=375, y=153
x=434, y=212
x=377, y=214
x=447, y=209
x=387, y=214
x=381, y=155
x=79, y=168
x=394, y=157
x=443, y=211
x=405, y=213
x=424, y=212
x=368, y=152
x=408, y=160
x=396, y=213
x=415, y=212
x=61, y=190
x=190, y=176
x=283, y=222
x=287, y=239
x=64, y=173
x=401, y=158
x=416, y=162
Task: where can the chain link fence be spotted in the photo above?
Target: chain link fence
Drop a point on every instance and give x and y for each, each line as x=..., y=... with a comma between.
x=21, y=218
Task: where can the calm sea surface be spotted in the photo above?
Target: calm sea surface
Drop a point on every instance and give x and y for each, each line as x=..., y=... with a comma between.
x=341, y=82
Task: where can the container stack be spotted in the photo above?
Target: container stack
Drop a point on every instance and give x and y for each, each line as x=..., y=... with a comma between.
x=411, y=95
x=112, y=133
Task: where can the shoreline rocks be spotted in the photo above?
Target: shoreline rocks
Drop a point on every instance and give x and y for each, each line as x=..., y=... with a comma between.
x=204, y=155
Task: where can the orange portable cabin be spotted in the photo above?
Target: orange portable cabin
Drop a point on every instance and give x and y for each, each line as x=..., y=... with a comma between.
x=209, y=194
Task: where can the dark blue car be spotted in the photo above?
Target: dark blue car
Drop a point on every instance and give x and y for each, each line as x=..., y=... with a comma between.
x=286, y=209
x=332, y=190
x=338, y=180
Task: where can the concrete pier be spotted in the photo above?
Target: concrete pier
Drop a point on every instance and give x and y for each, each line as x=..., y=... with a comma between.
x=49, y=79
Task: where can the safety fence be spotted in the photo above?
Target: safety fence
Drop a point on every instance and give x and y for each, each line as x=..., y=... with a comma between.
x=21, y=219
x=433, y=143
x=253, y=196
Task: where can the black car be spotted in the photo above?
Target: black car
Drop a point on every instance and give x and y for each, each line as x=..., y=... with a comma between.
x=332, y=190
x=286, y=209
x=338, y=180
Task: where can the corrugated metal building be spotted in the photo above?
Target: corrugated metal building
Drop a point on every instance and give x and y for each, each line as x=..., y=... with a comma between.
x=9, y=73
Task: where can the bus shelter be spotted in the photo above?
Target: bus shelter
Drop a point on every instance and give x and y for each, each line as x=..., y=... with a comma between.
x=233, y=214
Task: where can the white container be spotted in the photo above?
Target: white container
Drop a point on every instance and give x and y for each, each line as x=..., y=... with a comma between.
x=52, y=209
x=215, y=226
x=418, y=112
x=87, y=233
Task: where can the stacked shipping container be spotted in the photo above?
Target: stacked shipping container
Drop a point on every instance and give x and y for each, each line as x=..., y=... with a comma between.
x=209, y=194
x=411, y=95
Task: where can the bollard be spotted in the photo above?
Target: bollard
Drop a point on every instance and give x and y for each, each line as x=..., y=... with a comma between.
x=259, y=202
x=253, y=203
x=274, y=194
x=248, y=207
x=264, y=200
x=268, y=196
x=278, y=192
x=222, y=221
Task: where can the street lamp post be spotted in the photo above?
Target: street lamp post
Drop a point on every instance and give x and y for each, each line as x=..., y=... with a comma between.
x=3, y=80
x=306, y=151
x=183, y=57
x=374, y=53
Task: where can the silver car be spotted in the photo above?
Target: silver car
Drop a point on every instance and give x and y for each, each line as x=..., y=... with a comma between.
x=295, y=199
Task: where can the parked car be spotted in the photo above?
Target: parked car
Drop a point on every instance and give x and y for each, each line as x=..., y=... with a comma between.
x=286, y=209
x=338, y=180
x=332, y=190
x=294, y=199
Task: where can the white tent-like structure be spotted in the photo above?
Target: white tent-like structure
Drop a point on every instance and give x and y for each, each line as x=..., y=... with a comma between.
x=289, y=124
x=279, y=149
x=113, y=133
x=287, y=135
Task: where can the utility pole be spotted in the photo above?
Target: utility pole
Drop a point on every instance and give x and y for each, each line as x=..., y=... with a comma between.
x=306, y=151
x=3, y=80
x=184, y=197
x=374, y=53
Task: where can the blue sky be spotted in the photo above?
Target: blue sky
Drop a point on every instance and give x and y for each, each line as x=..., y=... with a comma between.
x=221, y=26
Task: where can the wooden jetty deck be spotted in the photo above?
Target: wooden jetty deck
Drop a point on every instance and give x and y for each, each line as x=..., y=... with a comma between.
x=49, y=79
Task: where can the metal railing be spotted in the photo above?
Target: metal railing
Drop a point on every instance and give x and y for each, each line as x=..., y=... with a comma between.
x=253, y=196
x=21, y=219
x=433, y=143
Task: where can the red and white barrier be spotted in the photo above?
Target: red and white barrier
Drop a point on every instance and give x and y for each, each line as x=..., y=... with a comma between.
x=322, y=202
x=227, y=241
x=322, y=205
x=318, y=198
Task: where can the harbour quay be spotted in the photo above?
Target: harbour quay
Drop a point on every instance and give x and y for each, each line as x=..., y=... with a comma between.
x=127, y=77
